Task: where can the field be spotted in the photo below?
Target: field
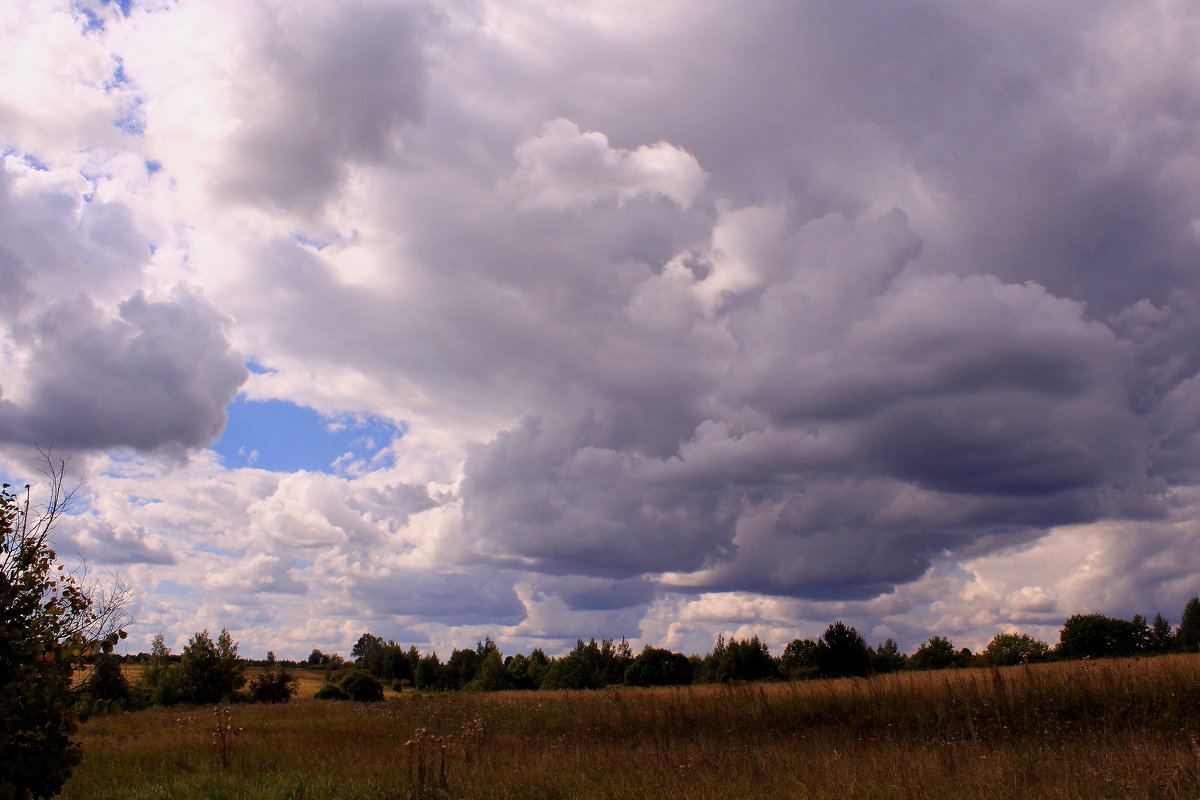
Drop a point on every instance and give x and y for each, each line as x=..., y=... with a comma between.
x=1104, y=729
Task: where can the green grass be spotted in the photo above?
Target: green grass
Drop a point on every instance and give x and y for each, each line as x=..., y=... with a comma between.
x=1111, y=729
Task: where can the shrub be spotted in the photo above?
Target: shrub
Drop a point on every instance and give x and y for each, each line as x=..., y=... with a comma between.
x=274, y=686
x=362, y=686
x=331, y=691
x=1007, y=649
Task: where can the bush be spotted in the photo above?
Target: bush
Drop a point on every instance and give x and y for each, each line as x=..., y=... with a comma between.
x=1007, y=649
x=274, y=686
x=106, y=689
x=331, y=691
x=362, y=686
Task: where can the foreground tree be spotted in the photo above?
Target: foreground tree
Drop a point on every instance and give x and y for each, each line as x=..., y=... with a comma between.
x=50, y=624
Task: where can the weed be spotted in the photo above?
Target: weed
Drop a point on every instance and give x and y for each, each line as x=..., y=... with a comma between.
x=224, y=736
x=428, y=763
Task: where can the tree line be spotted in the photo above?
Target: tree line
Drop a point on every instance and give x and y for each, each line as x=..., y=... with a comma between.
x=841, y=651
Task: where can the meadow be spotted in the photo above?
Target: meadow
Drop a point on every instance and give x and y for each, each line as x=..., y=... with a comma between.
x=1093, y=729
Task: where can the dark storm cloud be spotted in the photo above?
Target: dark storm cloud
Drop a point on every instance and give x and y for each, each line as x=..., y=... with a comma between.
x=157, y=377
x=98, y=367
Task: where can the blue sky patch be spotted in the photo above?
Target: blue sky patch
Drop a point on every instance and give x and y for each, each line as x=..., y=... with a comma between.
x=283, y=437
x=124, y=5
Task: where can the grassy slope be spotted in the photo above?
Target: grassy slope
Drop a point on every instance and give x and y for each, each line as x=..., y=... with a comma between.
x=1110, y=729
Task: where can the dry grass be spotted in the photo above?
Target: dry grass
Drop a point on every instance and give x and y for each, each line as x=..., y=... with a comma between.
x=1113, y=729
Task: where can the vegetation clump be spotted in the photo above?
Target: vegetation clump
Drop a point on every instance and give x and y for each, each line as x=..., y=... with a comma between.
x=362, y=687
x=331, y=691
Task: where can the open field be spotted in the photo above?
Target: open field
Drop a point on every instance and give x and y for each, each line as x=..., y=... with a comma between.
x=309, y=679
x=1105, y=729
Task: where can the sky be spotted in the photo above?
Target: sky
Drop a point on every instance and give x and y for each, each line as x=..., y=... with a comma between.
x=466, y=318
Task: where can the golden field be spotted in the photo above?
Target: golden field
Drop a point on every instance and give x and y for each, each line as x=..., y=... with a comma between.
x=1104, y=729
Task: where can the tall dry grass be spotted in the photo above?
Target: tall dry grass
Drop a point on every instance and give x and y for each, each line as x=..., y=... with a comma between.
x=1108, y=729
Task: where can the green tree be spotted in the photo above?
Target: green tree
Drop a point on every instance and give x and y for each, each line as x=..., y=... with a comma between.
x=799, y=660
x=492, y=676
x=366, y=644
x=209, y=671
x=1187, y=639
x=576, y=670
x=159, y=683
x=106, y=686
x=1162, y=635
x=937, y=653
x=887, y=657
x=1007, y=649
x=656, y=666
x=1098, y=636
x=50, y=623
x=842, y=651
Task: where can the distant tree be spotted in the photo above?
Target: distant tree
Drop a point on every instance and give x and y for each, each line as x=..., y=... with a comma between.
x=316, y=658
x=428, y=673
x=538, y=666
x=799, y=660
x=517, y=667
x=159, y=683
x=1162, y=635
x=1187, y=639
x=1139, y=634
x=1098, y=636
x=492, y=676
x=735, y=660
x=362, y=686
x=209, y=671
x=579, y=669
x=366, y=644
x=659, y=667
x=460, y=669
x=841, y=652
x=887, y=657
x=1006, y=649
x=937, y=653
x=747, y=660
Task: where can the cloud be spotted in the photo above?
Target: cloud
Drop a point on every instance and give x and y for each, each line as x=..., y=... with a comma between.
x=88, y=365
x=563, y=167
